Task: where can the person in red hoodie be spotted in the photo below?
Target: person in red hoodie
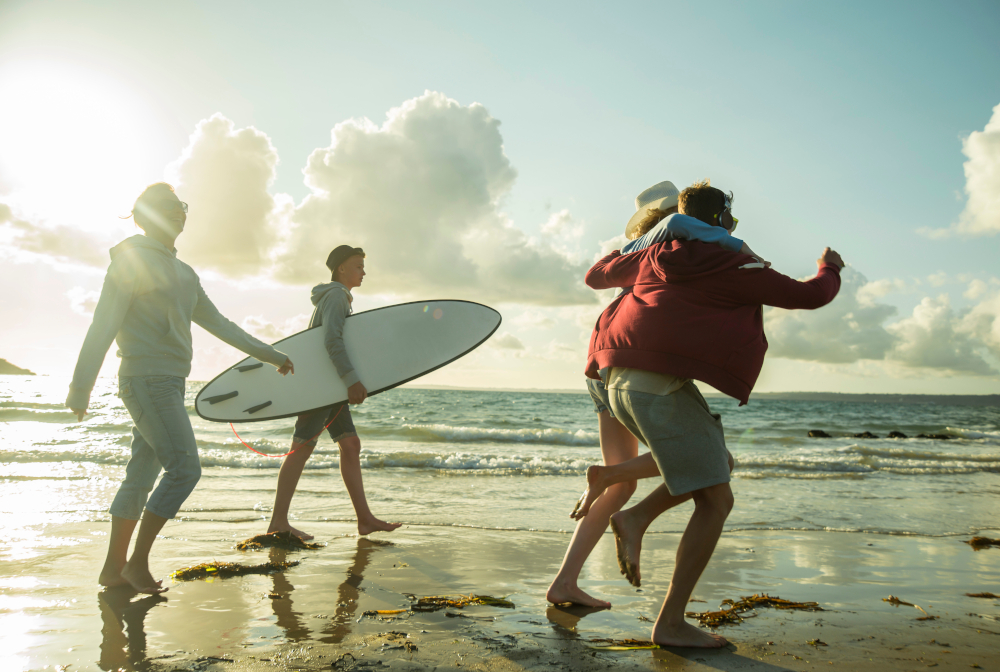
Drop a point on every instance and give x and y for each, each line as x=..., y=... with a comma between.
x=695, y=313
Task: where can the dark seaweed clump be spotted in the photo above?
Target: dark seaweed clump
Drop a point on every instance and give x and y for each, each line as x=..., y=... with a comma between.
x=227, y=569
x=438, y=602
x=979, y=543
x=732, y=615
x=285, y=540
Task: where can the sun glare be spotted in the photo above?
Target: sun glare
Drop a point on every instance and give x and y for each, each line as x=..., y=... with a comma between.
x=74, y=143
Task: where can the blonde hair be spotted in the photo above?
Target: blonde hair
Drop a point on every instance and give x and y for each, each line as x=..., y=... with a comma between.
x=653, y=217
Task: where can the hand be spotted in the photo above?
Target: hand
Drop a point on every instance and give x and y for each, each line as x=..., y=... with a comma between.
x=287, y=367
x=746, y=250
x=830, y=257
x=357, y=393
x=80, y=412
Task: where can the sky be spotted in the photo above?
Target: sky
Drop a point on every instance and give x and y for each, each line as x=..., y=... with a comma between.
x=493, y=151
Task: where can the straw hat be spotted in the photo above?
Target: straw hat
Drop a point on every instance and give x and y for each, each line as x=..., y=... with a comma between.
x=663, y=195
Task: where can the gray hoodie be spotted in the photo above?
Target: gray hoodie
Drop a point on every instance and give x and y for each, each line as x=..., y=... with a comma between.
x=147, y=304
x=333, y=305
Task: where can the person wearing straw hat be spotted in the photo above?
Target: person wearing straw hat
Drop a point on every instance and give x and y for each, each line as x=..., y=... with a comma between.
x=695, y=313
x=655, y=220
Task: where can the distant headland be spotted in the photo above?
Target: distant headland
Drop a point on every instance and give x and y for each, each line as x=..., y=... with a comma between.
x=8, y=369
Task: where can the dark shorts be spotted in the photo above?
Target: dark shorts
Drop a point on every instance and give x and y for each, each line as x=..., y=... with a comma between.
x=310, y=425
x=599, y=396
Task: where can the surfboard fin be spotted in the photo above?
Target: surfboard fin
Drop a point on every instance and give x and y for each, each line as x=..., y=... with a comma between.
x=249, y=367
x=254, y=409
x=222, y=397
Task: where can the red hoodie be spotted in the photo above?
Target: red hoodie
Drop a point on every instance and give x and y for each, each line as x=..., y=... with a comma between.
x=694, y=312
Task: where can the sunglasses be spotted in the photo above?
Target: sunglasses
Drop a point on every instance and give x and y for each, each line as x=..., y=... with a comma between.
x=169, y=204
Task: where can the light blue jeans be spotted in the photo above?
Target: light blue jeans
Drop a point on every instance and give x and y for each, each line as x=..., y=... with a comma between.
x=162, y=439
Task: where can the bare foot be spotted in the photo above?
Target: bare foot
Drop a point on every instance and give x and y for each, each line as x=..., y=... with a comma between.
x=285, y=527
x=595, y=488
x=685, y=634
x=628, y=545
x=375, y=525
x=559, y=593
x=111, y=578
x=141, y=580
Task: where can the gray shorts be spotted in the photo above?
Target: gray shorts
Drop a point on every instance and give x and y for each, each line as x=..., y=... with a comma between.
x=599, y=396
x=682, y=433
x=309, y=426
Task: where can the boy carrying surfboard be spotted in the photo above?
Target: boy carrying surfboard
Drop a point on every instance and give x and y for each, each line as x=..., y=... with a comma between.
x=333, y=304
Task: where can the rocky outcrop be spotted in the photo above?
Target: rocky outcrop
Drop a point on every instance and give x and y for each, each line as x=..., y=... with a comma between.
x=866, y=435
x=8, y=369
x=897, y=435
x=818, y=434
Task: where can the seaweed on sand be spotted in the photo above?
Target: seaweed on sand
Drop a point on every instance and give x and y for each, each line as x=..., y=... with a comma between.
x=988, y=596
x=732, y=615
x=227, y=569
x=285, y=540
x=979, y=543
x=605, y=644
x=438, y=602
x=896, y=602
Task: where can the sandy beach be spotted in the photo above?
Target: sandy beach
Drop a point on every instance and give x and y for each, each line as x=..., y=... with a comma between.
x=310, y=617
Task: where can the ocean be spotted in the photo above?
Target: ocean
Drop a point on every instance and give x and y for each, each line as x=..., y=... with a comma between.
x=512, y=460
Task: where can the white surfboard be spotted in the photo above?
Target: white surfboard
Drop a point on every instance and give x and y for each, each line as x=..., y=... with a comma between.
x=387, y=346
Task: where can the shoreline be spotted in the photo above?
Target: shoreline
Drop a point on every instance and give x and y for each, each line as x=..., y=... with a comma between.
x=312, y=615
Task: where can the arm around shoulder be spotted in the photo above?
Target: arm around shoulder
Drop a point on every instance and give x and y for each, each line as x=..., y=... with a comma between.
x=614, y=270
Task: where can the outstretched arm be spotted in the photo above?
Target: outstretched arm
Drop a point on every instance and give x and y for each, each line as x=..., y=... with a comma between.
x=770, y=288
x=207, y=316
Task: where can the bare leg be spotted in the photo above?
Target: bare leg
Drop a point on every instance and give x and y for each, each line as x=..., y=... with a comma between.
x=629, y=525
x=136, y=570
x=600, y=478
x=288, y=479
x=350, y=471
x=121, y=535
x=711, y=508
x=617, y=445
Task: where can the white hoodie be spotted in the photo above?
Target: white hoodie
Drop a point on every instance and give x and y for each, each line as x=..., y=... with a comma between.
x=147, y=304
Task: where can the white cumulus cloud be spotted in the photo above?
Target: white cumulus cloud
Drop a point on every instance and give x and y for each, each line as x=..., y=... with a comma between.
x=848, y=329
x=422, y=194
x=506, y=341
x=224, y=175
x=981, y=216
x=935, y=337
x=61, y=243
x=267, y=331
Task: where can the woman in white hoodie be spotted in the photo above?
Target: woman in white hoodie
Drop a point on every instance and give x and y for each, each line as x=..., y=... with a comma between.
x=147, y=304
x=333, y=304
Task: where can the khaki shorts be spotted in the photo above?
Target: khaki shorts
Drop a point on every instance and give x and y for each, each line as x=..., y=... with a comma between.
x=682, y=433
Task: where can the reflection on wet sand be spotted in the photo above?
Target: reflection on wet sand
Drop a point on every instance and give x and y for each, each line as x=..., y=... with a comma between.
x=565, y=618
x=349, y=591
x=281, y=601
x=123, y=644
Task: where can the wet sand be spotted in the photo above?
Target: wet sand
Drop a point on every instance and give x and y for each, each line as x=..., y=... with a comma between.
x=310, y=617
